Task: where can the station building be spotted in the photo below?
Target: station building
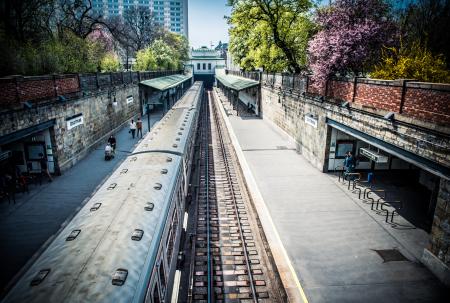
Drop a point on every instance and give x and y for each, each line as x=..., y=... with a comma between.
x=203, y=62
x=64, y=117
x=398, y=132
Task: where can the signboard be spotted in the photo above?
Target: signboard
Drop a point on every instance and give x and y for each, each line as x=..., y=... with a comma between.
x=74, y=121
x=130, y=99
x=5, y=155
x=373, y=155
x=311, y=121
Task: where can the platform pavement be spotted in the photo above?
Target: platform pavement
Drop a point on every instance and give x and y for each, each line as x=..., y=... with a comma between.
x=329, y=238
x=28, y=224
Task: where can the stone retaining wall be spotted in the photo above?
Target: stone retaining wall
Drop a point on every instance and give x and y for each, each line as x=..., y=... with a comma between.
x=100, y=116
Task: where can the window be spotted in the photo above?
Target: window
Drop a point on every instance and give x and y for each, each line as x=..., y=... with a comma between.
x=155, y=295
x=204, y=66
x=209, y=66
x=171, y=236
x=198, y=66
x=162, y=277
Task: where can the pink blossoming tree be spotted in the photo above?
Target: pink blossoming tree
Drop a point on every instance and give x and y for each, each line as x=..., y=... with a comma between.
x=351, y=37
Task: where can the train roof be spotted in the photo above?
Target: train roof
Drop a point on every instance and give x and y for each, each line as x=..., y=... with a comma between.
x=171, y=134
x=191, y=97
x=82, y=269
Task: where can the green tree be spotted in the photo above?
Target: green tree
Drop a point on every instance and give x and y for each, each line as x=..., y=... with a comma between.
x=166, y=57
x=110, y=63
x=145, y=60
x=414, y=62
x=272, y=34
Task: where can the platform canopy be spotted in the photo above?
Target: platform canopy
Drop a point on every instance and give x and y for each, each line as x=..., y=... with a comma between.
x=165, y=83
x=235, y=82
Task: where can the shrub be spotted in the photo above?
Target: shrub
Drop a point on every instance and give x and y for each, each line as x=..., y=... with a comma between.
x=110, y=63
x=416, y=62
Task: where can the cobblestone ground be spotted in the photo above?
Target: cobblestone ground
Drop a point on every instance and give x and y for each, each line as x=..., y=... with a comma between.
x=38, y=215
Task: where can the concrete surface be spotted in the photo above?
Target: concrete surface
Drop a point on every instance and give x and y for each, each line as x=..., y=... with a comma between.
x=329, y=235
x=38, y=215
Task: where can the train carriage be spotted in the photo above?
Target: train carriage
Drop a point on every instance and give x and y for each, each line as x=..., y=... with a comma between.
x=122, y=245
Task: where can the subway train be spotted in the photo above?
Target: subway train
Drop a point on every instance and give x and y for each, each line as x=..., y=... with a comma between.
x=122, y=245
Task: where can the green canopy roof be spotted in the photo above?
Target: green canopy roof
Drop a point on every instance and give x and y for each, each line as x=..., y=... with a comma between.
x=235, y=82
x=164, y=83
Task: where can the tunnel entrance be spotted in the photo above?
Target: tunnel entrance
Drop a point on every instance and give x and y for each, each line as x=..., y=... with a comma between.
x=402, y=180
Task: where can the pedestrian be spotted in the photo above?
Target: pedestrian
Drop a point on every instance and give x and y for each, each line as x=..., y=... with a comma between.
x=349, y=162
x=112, y=141
x=44, y=167
x=132, y=128
x=139, y=126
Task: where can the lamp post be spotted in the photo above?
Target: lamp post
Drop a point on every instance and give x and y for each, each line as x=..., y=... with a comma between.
x=148, y=116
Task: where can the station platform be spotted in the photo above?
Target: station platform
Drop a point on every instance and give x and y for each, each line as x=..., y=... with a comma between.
x=329, y=236
x=37, y=216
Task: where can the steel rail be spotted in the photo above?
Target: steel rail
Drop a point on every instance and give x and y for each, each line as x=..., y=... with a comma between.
x=208, y=231
x=227, y=171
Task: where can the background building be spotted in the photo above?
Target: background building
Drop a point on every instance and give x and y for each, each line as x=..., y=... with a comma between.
x=171, y=14
x=203, y=62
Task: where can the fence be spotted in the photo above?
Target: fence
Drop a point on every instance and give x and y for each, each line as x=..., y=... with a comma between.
x=16, y=90
x=419, y=100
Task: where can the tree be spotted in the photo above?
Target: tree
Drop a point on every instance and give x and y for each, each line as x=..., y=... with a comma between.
x=427, y=22
x=135, y=30
x=145, y=60
x=351, y=37
x=76, y=16
x=415, y=62
x=283, y=24
x=26, y=20
x=165, y=56
x=110, y=63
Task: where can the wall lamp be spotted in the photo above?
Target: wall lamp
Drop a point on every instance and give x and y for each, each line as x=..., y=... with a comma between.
x=61, y=99
x=27, y=105
x=389, y=116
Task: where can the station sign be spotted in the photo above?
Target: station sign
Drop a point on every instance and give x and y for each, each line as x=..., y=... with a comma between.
x=130, y=99
x=311, y=121
x=74, y=121
x=373, y=155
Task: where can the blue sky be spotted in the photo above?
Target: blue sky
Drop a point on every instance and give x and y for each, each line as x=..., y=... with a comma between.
x=206, y=22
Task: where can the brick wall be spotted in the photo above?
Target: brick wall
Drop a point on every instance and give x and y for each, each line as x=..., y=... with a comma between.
x=16, y=90
x=428, y=102
x=67, y=85
x=373, y=94
x=36, y=89
x=342, y=90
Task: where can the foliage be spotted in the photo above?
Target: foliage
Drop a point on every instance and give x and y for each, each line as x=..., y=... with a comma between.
x=272, y=34
x=415, y=62
x=145, y=60
x=65, y=55
x=178, y=43
x=110, y=63
x=166, y=57
x=427, y=22
x=351, y=37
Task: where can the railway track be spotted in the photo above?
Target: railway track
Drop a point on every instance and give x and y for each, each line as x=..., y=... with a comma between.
x=230, y=260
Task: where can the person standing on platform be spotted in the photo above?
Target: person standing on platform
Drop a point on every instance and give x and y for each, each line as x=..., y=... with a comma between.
x=44, y=167
x=139, y=126
x=349, y=163
x=132, y=128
